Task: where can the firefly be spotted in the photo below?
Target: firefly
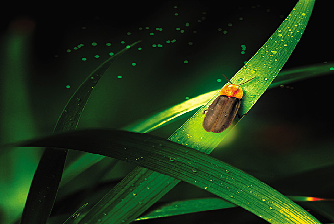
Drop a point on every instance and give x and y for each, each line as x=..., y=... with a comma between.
x=224, y=108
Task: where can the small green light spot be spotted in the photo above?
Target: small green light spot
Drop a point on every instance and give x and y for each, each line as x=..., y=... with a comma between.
x=225, y=32
x=122, y=42
x=243, y=47
x=147, y=27
x=241, y=18
x=168, y=41
x=119, y=77
x=158, y=29
x=187, y=24
x=68, y=86
x=128, y=46
x=84, y=59
x=185, y=61
x=182, y=31
x=175, y=7
x=219, y=80
x=187, y=97
x=108, y=44
x=152, y=34
x=242, y=52
x=134, y=64
x=190, y=43
x=154, y=45
x=230, y=24
x=160, y=45
x=97, y=56
x=139, y=48
x=178, y=28
x=173, y=41
x=128, y=33
x=68, y=50
x=94, y=44
x=331, y=68
x=176, y=14
x=140, y=28
x=75, y=48
x=220, y=29
x=111, y=53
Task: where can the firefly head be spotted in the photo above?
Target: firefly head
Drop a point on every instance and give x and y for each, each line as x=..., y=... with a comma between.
x=232, y=90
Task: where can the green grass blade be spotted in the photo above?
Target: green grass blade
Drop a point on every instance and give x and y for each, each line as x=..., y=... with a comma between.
x=192, y=134
x=46, y=180
x=187, y=207
x=205, y=204
x=182, y=163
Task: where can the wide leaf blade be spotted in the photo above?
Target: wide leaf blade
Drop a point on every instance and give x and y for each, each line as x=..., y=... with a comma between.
x=186, y=164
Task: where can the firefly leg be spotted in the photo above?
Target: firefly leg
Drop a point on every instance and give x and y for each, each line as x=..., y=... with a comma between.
x=241, y=116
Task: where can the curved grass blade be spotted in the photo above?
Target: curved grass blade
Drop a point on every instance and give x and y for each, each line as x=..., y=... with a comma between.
x=192, y=134
x=46, y=180
x=187, y=207
x=185, y=164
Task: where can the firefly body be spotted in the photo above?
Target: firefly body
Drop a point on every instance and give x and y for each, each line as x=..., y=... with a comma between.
x=224, y=108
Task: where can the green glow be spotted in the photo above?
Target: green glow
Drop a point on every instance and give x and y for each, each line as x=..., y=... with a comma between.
x=139, y=48
x=122, y=42
x=108, y=44
x=152, y=34
x=128, y=33
x=97, y=56
x=331, y=68
x=84, y=59
x=111, y=53
x=134, y=64
x=119, y=77
x=185, y=61
x=68, y=86
x=68, y=50
x=219, y=80
x=94, y=44
x=187, y=24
